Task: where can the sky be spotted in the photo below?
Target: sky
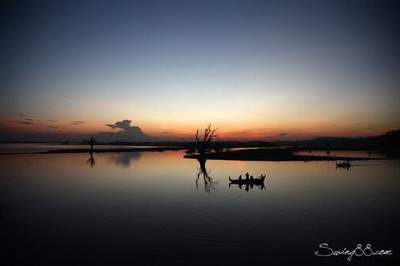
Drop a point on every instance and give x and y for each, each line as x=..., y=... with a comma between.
x=257, y=70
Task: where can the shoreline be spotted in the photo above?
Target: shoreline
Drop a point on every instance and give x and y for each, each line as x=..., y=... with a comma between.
x=260, y=154
x=274, y=155
x=86, y=150
x=293, y=159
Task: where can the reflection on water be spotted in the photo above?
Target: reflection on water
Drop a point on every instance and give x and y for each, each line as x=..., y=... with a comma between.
x=344, y=165
x=247, y=186
x=134, y=207
x=91, y=161
x=209, y=183
x=248, y=182
x=124, y=159
x=22, y=148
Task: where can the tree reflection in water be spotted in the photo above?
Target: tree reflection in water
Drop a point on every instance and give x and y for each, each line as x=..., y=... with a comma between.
x=209, y=183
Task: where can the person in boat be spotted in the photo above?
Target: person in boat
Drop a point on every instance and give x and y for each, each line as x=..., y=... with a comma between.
x=247, y=175
x=251, y=178
x=240, y=178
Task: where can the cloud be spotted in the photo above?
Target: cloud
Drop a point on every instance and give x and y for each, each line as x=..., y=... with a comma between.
x=76, y=123
x=165, y=132
x=25, y=122
x=124, y=125
x=125, y=132
x=283, y=134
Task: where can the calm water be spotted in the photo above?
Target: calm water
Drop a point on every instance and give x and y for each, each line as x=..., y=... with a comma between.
x=147, y=209
x=6, y=148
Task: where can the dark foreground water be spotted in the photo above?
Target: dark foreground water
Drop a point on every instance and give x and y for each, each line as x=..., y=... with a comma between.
x=148, y=209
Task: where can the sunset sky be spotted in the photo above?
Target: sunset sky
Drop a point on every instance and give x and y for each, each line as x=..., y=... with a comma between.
x=254, y=69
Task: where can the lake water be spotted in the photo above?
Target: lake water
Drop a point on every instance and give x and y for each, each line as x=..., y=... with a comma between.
x=146, y=208
x=20, y=148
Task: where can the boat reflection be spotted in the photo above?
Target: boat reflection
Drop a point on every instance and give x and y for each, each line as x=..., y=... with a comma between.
x=344, y=165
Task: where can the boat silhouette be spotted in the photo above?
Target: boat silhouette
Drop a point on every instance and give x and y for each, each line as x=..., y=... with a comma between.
x=248, y=182
x=344, y=164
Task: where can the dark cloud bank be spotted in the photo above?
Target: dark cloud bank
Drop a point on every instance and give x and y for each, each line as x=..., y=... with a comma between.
x=124, y=132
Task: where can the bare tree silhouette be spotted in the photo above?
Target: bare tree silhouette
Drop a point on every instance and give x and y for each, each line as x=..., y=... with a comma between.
x=204, y=143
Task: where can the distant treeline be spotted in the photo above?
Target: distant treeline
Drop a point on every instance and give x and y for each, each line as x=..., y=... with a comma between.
x=388, y=143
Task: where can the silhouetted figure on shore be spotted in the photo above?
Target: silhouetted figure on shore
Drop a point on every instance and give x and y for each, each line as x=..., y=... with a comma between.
x=92, y=142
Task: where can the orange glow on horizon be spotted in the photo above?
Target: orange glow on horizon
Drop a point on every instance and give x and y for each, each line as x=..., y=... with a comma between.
x=182, y=131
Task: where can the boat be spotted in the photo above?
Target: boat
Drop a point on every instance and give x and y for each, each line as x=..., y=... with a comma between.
x=346, y=164
x=247, y=180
